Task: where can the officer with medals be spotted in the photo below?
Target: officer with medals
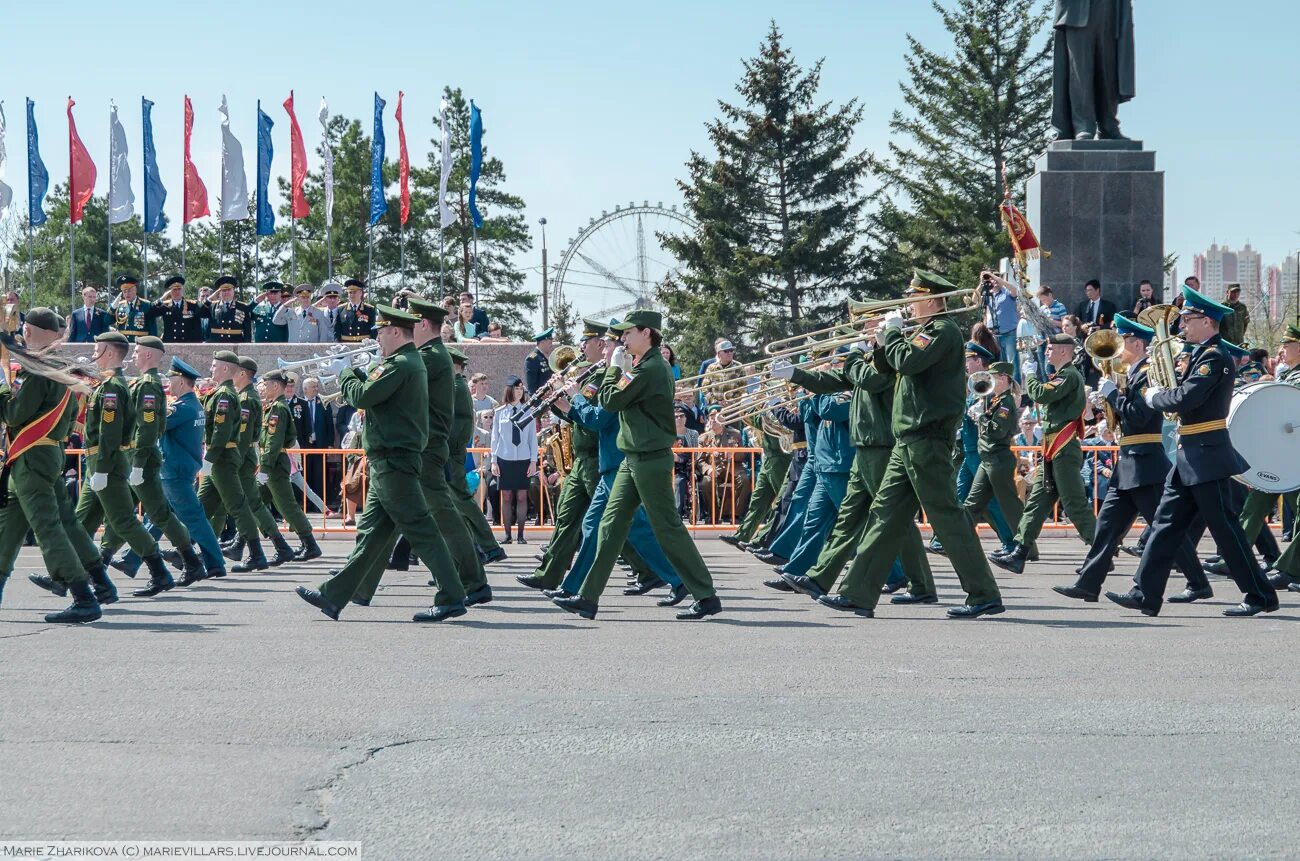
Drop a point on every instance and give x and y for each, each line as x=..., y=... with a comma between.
x=1062, y=397
x=1139, y=477
x=130, y=313
x=537, y=364
x=266, y=305
x=229, y=320
x=994, y=416
x=182, y=320
x=462, y=433
x=277, y=435
x=355, y=321
x=1206, y=462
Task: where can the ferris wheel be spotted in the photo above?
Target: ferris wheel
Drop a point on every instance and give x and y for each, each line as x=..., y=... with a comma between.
x=617, y=262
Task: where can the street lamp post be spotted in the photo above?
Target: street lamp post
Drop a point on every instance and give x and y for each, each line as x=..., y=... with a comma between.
x=545, y=286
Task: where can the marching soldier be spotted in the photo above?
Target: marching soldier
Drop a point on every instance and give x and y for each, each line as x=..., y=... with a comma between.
x=395, y=397
x=1062, y=398
x=356, y=320
x=277, y=435
x=105, y=495
x=462, y=432
x=994, y=416
x=537, y=364
x=1206, y=463
x=230, y=321
x=771, y=480
x=182, y=320
x=800, y=482
x=129, y=312
x=265, y=307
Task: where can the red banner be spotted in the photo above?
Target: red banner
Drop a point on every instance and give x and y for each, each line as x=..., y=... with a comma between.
x=403, y=163
x=300, y=208
x=81, y=171
x=195, y=192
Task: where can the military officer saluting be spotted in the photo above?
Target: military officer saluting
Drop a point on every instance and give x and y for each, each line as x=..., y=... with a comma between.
x=182, y=319
x=537, y=365
x=356, y=320
x=230, y=321
x=130, y=313
x=267, y=303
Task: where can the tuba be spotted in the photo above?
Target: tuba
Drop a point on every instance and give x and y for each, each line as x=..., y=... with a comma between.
x=1104, y=346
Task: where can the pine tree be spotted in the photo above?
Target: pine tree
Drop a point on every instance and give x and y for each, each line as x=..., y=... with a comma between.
x=984, y=104
x=778, y=208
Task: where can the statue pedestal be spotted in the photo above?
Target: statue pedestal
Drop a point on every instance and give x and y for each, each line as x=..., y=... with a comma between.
x=1099, y=208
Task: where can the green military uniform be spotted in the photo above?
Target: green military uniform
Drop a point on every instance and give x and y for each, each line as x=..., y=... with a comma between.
x=278, y=434
x=575, y=497
x=222, y=488
x=250, y=431
x=872, y=381
x=929, y=399
x=996, y=476
x=462, y=432
x=768, y=485
x=1062, y=397
x=1233, y=326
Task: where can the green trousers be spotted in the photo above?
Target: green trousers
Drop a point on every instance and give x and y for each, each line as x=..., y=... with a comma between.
x=455, y=534
x=919, y=474
x=286, y=501
x=995, y=479
x=253, y=493
x=767, y=493
x=395, y=505
x=468, y=506
x=155, y=506
x=1068, y=489
x=113, y=506
x=646, y=479
x=223, y=493
x=39, y=501
x=566, y=538
x=865, y=475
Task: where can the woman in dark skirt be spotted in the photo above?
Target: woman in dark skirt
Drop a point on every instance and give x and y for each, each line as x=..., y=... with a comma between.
x=514, y=457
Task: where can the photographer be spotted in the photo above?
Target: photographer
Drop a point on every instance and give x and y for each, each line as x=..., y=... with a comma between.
x=1000, y=313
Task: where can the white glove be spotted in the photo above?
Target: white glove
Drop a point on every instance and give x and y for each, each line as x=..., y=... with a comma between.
x=99, y=481
x=136, y=478
x=206, y=469
x=1105, y=387
x=893, y=320
x=621, y=359
x=1150, y=393
x=261, y=478
x=1028, y=369
x=782, y=369
x=336, y=367
x=976, y=412
x=1096, y=399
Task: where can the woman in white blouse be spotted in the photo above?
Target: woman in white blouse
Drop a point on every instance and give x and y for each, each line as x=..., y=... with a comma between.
x=514, y=457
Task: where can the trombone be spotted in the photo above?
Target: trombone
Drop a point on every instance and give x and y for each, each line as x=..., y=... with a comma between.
x=868, y=316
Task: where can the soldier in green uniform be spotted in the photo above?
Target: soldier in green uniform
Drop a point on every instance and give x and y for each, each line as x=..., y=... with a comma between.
x=395, y=396
x=433, y=472
x=149, y=409
x=995, y=416
x=105, y=495
x=767, y=493
x=1061, y=397
x=462, y=432
x=220, y=486
x=638, y=385
x=929, y=399
x=277, y=435
x=1236, y=323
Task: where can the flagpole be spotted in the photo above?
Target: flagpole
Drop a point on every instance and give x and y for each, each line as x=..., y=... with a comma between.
x=31, y=270
x=370, y=252
x=221, y=244
x=72, y=260
x=329, y=251
x=293, y=247
x=257, y=260
x=184, y=234
x=109, y=273
x=442, y=290
x=145, y=244
x=401, y=252
x=475, y=262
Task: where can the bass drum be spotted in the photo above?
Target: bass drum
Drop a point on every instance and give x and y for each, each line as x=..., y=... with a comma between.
x=1264, y=425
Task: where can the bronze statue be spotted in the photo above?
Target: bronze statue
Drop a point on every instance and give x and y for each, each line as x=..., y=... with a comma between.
x=1092, y=70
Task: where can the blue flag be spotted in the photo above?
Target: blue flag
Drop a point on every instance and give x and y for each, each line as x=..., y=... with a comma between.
x=475, y=160
x=378, y=203
x=38, y=178
x=154, y=193
x=265, y=213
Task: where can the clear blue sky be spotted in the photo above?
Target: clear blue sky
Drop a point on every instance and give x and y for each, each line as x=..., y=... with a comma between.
x=594, y=104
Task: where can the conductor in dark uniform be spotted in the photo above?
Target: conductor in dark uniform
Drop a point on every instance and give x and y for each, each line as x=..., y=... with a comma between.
x=230, y=321
x=130, y=313
x=182, y=319
x=356, y=319
x=537, y=365
x=1205, y=466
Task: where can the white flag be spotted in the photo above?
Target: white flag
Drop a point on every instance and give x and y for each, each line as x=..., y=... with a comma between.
x=121, y=199
x=447, y=217
x=6, y=193
x=234, y=184
x=329, y=163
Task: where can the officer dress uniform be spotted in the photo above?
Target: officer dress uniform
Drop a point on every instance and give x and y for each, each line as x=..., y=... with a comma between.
x=133, y=319
x=769, y=529
x=537, y=367
x=221, y=488
x=768, y=485
x=228, y=322
x=462, y=432
x=355, y=323
x=967, y=454
x=1206, y=462
x=250, y=431
x=182, y=319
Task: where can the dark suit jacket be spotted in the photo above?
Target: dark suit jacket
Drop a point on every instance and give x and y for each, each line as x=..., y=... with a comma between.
x=82, y=330
x=342, y=417
x=1145, y=463
x=319, y=434
x=1105, y=313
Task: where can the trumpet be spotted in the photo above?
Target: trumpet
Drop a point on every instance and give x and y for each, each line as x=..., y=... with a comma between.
x=360, y=356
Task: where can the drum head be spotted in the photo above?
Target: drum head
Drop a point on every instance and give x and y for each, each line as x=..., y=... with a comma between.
x=1264, y=425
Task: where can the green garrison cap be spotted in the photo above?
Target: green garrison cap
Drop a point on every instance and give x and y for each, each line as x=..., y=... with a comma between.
x=430, y=311
x=927, y=282
x=276, y=376
x=151, y=342
x=110, y=338
x=1002, y=368
x=457, y=355
x=640, y=319
x=390, y=316
x=248, y=363
x=593, y=328
x=226, y=356
x=45, y=318
x=1062, y=338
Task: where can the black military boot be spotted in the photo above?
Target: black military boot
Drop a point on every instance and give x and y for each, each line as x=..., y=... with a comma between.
x=1013, y=561
x=105, y=591
x=256, y=560
x=49, y=584
x=84, y=607
x=193, y=566
x=283, y=552
x=310, y=549
x=401, y=558
x=234, y=551
x=160, y=579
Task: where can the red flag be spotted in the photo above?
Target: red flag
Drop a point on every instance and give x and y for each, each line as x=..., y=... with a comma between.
x=195, y=193
x=81, y=171
x=403, y=163
x=300, y=207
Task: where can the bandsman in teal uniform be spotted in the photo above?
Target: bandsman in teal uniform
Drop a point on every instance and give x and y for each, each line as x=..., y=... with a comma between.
x=537, y=364
x=105, y=495
x=131, y=315
x=356, y=320
x=265, y=304
x=462, y=433
x=639, y=387
x=229, y=320
x=278, y=434
x=395, y=396
x=1062, y=397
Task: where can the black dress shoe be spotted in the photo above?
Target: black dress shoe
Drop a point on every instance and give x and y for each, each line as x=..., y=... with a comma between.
x=1077, y=593
x=361, y=602
x=936, y=548
x=556, y=593
x=577, y=605
x=120, y=565
x=1218, y=569
x=319, y=601
x=839, y=602
x=532, y=581
x=803, y=584
x=1189, y=595
x=1014, y=562
x=192, y=577
x=1131, y=550
x=1293, y=586
x=779, y=585
x=974, y=611
x=1279, y=581
x=1245, y=608
x=1133, y=601
x=643, y=588
x=507, y=540
x=678, y=594
x=520, y=540
x=218, y=573
x=710, y=606
x=481, y=595
x=1003, y=551
x=909, y=598
x=156, y=586
x=440, y=614
x=891, y=588
x=540, y=557
x=774, y=560
x=730, y=539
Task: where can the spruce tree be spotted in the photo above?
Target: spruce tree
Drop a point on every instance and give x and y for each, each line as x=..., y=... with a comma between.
x=779, y=206
x=981, y=103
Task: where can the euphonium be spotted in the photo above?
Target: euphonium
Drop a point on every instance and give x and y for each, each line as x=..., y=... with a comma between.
x=1162, y=370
